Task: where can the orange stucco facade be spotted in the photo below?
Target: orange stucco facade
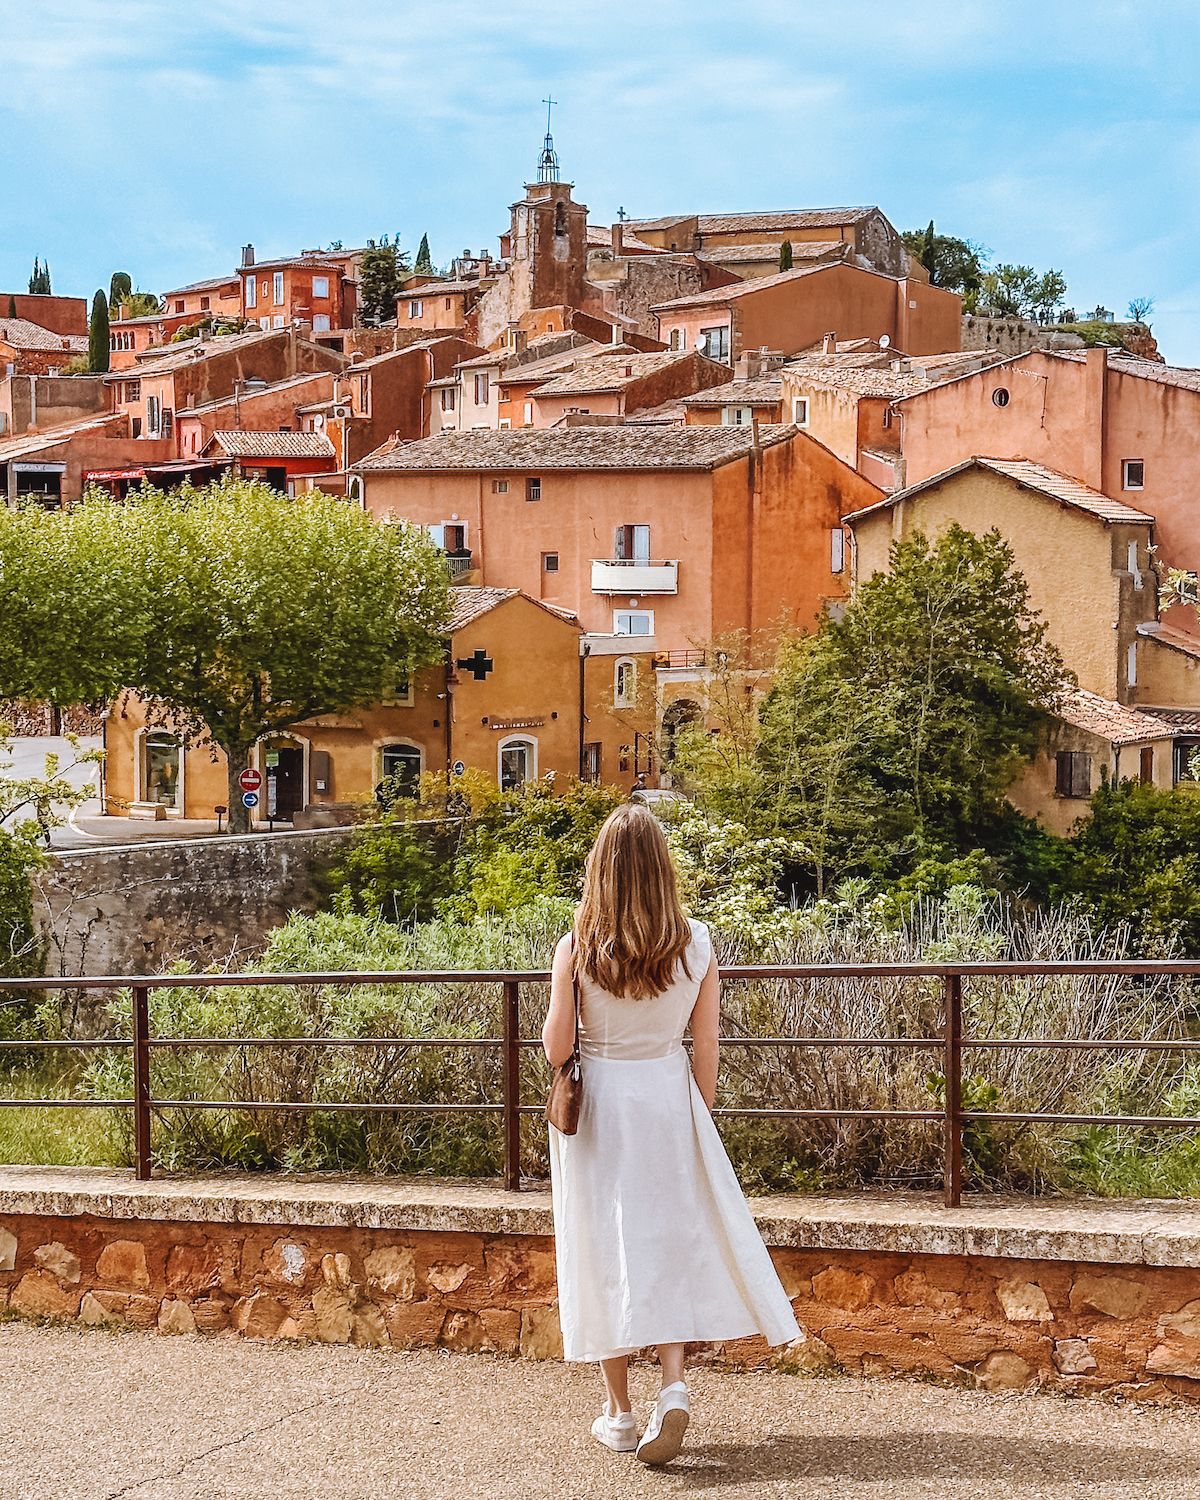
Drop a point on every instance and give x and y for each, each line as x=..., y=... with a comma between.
x=1085, y=417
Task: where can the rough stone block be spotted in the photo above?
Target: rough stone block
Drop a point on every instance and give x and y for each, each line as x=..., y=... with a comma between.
x=415, y=1324
x=175, y=1316
x=1024, y=1301
x=257, y=1316
x=1113, y=1296
x=1073, y=1357
x=1004, y=1371
x=334, y=1314
x=541, y=1333
x=849, y=1290
x=8, y=1250
x=501, y=1329
x=804, y=1356
x=95, y=1313
x=448, y=1278
x=123, y=1263
x=463, y=1330
x=38, y=1294
x=194, y=1268
x=211, y=1315
x=287, y=1262
x=336, y=1272
x=59, y=1261
x=914, y=1289
x=392, y=1269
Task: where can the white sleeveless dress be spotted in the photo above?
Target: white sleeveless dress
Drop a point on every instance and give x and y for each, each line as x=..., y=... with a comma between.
x=654, y=1241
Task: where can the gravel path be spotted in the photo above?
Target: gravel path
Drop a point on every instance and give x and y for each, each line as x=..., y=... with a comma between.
x=90, y=1415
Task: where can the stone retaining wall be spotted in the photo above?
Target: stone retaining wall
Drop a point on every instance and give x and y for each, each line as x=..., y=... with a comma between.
x=460, y=1269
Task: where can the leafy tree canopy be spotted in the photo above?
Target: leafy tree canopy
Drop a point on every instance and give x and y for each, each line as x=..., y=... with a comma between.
x=234, y=611
x=118, y=289
x=963, y=266
x=382, y=270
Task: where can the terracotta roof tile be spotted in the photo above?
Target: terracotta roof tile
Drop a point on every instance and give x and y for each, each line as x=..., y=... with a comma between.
x=1114, y=722
x=242, y=444
x=723, y=294
x=1177, y=640
x=564, y=448
x=594, y=376
x=765, y=390
x=20, y=333
x=1144, y=369
x=469, y=603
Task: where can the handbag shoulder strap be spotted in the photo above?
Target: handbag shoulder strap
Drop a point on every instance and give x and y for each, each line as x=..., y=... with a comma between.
x=575, y=992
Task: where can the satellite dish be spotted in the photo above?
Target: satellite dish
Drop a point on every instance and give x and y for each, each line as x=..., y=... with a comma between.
x=885, y=341
x=701, y=344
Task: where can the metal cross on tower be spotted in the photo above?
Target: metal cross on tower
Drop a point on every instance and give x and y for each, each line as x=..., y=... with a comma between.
x=548, y=161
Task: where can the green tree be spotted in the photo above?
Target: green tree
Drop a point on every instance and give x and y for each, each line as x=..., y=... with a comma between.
x=118, y=289
x=39, y=282
x=98, y=350
x=899, y=728
x=785, y=256
x=12, y=305
x=424, y=261
x=233, y=611
x=956, y=264
x=381, y=273
x=139, y=304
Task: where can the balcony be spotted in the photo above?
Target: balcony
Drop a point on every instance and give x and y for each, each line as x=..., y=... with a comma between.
x=460, y=564
x=634, y=576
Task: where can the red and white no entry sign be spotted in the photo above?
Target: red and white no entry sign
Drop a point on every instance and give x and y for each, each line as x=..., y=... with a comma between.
x=250, y=780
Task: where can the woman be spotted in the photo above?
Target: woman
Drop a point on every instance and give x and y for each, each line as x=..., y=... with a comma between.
x=654, y=1241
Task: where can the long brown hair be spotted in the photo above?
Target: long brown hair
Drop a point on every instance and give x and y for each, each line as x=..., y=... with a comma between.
x=630, y=929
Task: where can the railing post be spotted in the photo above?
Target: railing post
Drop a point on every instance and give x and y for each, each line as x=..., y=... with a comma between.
x=141, y=1081
x=952, y=1068
x=512, y=1085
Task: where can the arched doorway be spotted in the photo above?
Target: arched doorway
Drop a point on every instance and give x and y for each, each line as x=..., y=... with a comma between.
x=680, y=714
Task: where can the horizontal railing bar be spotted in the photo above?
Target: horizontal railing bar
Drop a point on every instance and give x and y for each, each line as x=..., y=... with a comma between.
x=1154, y=1122
x=999, y=969
x=66, y=1103
x=339, y=1106
x=108, y=1041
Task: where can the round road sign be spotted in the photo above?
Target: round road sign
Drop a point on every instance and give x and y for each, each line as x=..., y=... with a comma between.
x=250, y=780
x=249, y=799
x=459, y=767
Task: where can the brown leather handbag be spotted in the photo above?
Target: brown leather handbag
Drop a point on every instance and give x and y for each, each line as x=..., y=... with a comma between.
x=566, y=1087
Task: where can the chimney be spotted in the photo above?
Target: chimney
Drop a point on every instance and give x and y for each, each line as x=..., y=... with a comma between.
x=1095, y=412
x=829, y=343
x=618, y=239
x=247, y=255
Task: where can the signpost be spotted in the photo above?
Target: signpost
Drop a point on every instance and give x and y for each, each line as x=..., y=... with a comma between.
x=250, y=799
x=250, y=780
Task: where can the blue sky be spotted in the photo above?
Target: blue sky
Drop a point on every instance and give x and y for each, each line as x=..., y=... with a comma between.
x=157, y=136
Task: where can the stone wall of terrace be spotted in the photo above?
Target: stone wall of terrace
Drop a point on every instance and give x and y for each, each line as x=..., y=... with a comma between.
x=1000, y=1294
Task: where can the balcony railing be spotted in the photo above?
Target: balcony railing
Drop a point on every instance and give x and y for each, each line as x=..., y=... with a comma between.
x=673, y=661
x=634, y=576
x=945, y=1048
x=460, y=563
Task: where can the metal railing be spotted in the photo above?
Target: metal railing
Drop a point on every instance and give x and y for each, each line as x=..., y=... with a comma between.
x=951, y=1044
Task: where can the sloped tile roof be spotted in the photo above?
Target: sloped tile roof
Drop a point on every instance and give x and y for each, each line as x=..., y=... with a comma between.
x=164, y=358
x=242, y=444
x=37, y=442
x=781, y=219
x=594, y=376
x=1177, y=640
x=875, y=374
x=824, y=250
x=444, y=288
x=765, y=390
x=579, y=448
x=1114, y=722
x=233, y=279
x=1030, y=476
x=20, y=333
x=1181, y=376
x=469, y=603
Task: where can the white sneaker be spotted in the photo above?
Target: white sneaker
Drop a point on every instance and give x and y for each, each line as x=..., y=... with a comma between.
x=618, y=1433
x=663, y=1436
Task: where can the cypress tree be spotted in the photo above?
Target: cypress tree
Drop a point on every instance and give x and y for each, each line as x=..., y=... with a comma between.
x=785, y=256
x=98, y=335
x=424, y=259
x=35, y=278
x=12, y=305
x=118, y=289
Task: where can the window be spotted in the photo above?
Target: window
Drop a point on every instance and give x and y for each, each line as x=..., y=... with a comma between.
x=625, y=683
x=1133, y=474
x=529, y=413
x=277, y=321
x=837, y=550
x=205, y=304
x=675, y=340
x=320, y=322
x=448, y=301
x=1146, y=765
x=179, y=306
x=153, y=415
x=887, y=416
x=400, y=768
x=736, y=416
x=133, y=390
x=265, y=321
x=560, y=218
x=516, y=762
x=590, y=770
x=633, y=622
x=800, y=411
x=415, y=307
x=398, y=692
x=499, y=486
x=1000, y=396
x=251, y=292
x=632, y=544
x=448, y=397
x=277, y=288
x=1187, y=760
x=1073, y=773
x=1131, y=664
x=504, y=424
x=160, y=771
x=533, y=488
x=320, y=286
x=481, y=388
x=716, y=343
x=549, y=562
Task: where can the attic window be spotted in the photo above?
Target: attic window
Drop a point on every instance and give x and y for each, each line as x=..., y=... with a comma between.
x=1000, y=396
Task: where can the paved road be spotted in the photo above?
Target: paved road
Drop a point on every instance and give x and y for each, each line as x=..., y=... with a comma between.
x=91, y=1415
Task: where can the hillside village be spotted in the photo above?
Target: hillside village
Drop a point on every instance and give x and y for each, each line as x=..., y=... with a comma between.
x=632, y=442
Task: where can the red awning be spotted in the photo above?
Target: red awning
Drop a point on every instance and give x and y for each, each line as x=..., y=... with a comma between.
x=103, y=475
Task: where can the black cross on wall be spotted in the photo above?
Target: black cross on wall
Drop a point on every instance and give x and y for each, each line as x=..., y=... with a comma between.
x=479, y=664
